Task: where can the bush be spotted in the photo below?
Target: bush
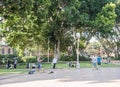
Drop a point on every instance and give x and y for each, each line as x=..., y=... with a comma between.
x=73, y=58
x=45, y=58
x=4, y=58
x=29, y=59
x=67, y=58
x=117, y=58
x=83, y=58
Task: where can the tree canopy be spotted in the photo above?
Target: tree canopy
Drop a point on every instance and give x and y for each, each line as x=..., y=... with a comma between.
x=29, y=23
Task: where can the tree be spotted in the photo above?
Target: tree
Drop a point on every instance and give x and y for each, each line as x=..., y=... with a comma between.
x=62, y=16
x=117, y=29
x=21, y=27
x=107, y=31
x=29, y=23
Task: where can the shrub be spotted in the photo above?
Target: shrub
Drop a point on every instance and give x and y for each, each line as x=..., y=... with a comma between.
x=73, y=58
x=118, y=58
x=67, y=58
x=28, y=59
x=83, y=58
x=45, y=58
x=3, y=58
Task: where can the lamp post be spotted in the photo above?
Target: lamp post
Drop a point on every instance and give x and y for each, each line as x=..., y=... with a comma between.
x=77, y=50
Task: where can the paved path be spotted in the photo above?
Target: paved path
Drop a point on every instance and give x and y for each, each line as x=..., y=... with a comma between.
x=106, y=77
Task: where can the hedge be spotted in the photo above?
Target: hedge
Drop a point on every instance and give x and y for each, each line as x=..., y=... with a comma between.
x=73, y=58
x=29, y=59
x=4, y=58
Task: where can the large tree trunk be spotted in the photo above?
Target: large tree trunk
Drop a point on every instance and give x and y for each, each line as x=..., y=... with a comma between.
x=57, y=49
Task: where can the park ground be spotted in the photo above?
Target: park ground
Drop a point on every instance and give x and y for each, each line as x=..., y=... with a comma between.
x=21, y=68
x=83, y=77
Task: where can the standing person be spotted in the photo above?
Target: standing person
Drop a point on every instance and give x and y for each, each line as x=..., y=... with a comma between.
x=39, y=65
x=28, y=65
x=94, y=62
x=99, y=61
x=54, y=62
x=15, y=63
x=8, y=64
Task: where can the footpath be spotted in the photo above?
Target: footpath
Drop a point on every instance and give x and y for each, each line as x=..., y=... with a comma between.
x=83, y=77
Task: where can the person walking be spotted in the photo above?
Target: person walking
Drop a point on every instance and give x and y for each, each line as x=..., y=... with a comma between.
x=54, y=62
x=94, y=62
x=99, y=61
x=15, y=63
x=8, y=64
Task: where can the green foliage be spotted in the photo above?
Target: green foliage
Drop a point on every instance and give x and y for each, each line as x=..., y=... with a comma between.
x=32, y=59
x=29, y=59
x=4, y=58
x=45, y=58
x=20, y=24
x=73, y=58
x=117, y=10
x=105, y=20
x=29, y=23
x=117, y=58
x=67, y=58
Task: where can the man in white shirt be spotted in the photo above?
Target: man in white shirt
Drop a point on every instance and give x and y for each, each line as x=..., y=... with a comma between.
x=54, y=62
x=94, y=62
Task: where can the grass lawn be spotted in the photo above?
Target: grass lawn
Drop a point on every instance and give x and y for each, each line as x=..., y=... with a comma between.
x=21, y=68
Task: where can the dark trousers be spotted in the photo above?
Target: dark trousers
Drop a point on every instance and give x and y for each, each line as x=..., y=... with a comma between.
x=8, y=66
x=15, y=66
x=54, y=64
